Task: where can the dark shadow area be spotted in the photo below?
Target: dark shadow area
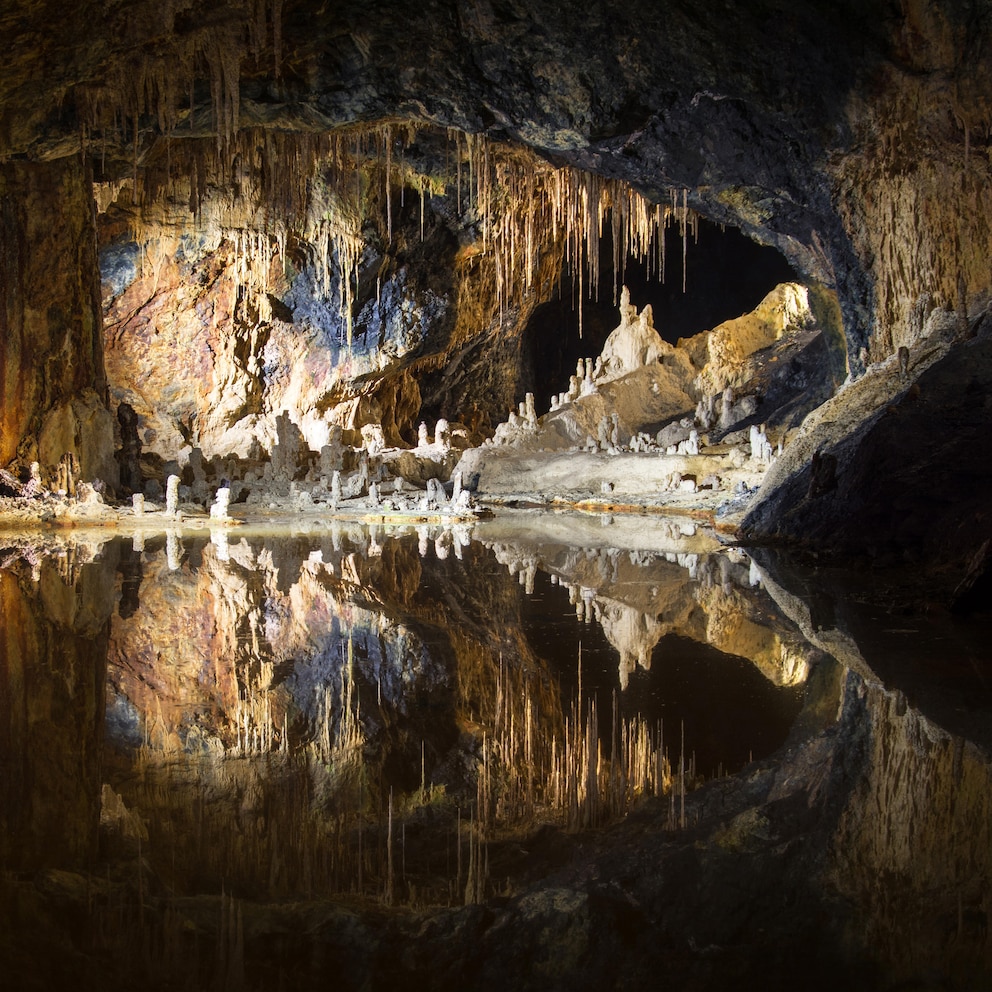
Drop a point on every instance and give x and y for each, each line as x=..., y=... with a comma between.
x=726, y=275
x=729, y=712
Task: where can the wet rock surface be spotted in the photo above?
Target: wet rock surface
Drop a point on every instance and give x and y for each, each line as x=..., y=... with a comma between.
x=893, y=501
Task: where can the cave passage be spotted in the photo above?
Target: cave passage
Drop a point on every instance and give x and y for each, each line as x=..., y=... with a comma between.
x=726, y=274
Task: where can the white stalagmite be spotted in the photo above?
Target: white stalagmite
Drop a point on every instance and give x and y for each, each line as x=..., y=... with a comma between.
x=172, y=496
x=218, y=511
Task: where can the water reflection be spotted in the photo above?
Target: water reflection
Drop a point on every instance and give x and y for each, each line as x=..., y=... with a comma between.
x=269, y=698
x=335, y=711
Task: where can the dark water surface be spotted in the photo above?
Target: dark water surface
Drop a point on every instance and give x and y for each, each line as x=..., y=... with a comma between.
x=334, y=712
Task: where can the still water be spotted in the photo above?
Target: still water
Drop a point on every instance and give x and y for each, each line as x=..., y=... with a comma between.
x=336, y=711
x=266, y=696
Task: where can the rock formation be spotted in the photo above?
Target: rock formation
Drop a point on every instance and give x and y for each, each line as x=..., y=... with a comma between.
x=278, y=236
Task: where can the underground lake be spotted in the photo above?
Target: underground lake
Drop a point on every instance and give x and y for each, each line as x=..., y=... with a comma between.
x=528, y=750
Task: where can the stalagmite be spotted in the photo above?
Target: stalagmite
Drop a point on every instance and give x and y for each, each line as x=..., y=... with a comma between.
x=218, y=511
x=435, y=498
x=761, y=449
x=442, y=435
x=172, y=496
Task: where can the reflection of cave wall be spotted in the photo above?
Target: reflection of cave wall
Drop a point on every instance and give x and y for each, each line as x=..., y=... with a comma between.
x=685, y=641
x=53, y=653
x=913, y=849
x=287, y=685
x=726, y=275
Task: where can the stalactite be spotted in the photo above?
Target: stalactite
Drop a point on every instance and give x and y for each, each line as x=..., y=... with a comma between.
x=265, y=189
x=537, y=204
x=388, y=137
x=158, y=81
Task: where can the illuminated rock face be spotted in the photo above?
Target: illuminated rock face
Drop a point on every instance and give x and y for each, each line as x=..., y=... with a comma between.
x=188, y=347
x=52, y=376
x=630, y=425
x=844, y=150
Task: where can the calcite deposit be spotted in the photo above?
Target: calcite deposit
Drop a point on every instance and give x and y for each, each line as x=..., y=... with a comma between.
x=272, y=263
x=637, y=424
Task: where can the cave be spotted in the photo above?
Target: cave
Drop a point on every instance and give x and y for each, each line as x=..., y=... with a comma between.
x=495, y=494
x=726, y=275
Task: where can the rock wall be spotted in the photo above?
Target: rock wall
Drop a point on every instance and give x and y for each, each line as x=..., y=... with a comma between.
x=912, y=193
x=853, y=137
x=363, y=309
x=52, y=380
x=908, y=474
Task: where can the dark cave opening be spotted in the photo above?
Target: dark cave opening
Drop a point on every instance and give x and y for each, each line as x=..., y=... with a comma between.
x=726, y=275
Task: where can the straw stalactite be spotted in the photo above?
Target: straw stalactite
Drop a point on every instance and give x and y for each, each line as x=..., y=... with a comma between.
x=277, y=197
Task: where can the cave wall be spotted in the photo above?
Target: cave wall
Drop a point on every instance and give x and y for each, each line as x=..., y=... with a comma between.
x=53, y=385
x=853, y=137
x=912, y=193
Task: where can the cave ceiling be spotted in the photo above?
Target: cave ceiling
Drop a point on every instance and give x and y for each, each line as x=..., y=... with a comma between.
x=760, y=114
x=747, y=109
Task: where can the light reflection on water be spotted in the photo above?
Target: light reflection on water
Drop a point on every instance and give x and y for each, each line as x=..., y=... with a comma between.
x=268, y=696
x=334, y=712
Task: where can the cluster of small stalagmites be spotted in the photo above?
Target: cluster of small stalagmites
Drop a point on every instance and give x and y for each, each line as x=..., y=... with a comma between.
x=294, y=477
x=521, y=422
x=580, y=384
x=439, y=448
x=761, y=447
x=65, y=485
